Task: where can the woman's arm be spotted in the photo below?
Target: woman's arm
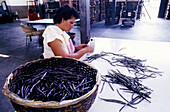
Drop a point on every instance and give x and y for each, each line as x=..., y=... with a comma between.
x=58, y=50
x=80, y=53
x=57, y=47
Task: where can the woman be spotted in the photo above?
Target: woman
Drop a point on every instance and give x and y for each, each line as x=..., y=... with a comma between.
x=57, y=42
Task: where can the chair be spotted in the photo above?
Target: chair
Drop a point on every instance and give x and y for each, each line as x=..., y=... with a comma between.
x=31, y=31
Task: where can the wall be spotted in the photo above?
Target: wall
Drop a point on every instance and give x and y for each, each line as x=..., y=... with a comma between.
x=19, y=6
x=17, y=2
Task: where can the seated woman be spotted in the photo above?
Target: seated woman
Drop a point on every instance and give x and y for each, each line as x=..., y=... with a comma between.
x=57, y=42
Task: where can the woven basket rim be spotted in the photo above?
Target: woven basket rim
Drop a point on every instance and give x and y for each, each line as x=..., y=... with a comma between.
x=50, y=104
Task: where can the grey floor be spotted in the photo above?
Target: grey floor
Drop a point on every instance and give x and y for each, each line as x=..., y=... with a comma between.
x=13, y=44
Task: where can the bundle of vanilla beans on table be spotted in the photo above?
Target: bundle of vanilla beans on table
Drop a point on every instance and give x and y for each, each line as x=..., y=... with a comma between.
x=135, y=66
x=132, y=84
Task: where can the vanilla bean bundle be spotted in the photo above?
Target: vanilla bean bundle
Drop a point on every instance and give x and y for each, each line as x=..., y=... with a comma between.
x=138, y=91
x=131, y=83
x=135, y=66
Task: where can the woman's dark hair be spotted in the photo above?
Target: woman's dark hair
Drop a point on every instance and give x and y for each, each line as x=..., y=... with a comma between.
x=66, y=12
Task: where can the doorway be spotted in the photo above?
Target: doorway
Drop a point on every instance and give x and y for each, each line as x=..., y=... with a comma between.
x=151, y=9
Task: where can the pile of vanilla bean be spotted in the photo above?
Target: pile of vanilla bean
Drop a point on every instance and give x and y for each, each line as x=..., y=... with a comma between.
x=132, y=85
x=53, y=83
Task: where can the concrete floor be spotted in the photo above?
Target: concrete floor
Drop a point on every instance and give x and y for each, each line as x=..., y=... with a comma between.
x=13, y=44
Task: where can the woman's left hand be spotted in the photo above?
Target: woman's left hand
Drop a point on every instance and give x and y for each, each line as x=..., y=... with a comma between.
x=81, y=46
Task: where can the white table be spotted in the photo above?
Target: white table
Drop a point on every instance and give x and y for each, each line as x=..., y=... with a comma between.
x=157, y=55
x=40, y=22
x=45, y=22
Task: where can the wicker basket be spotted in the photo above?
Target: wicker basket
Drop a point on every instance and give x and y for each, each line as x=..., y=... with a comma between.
x=80, y=104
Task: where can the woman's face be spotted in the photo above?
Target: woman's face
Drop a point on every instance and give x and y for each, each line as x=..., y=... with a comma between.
x=68, y=24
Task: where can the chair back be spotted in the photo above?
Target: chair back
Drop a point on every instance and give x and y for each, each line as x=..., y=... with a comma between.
x=27, y=29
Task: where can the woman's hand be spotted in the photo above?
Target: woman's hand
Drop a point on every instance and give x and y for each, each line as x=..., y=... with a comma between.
x=81, y=46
